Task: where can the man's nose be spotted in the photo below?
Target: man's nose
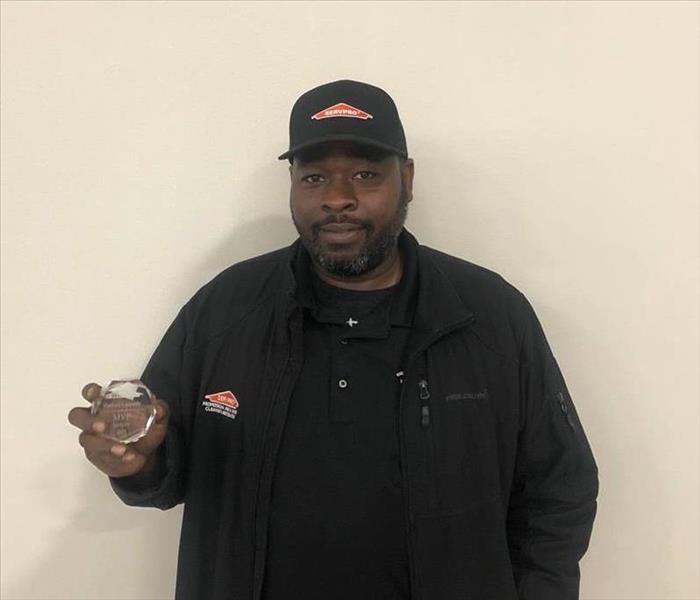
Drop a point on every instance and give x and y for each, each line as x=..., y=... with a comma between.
x=339, y=195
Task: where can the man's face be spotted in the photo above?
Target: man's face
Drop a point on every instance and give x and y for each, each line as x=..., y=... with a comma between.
x=342, y=187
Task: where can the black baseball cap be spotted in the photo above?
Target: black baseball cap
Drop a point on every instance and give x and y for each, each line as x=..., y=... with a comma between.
x=345, y=110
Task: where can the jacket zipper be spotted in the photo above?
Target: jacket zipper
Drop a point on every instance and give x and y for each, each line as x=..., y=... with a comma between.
x=414, y=584
x=565, y=409
x=424, y=395
x=261, y=467
x=406, y=495
x=276, y=393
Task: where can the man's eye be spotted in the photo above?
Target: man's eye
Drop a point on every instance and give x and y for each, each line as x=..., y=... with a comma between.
x=362, y=175
x=306, y=178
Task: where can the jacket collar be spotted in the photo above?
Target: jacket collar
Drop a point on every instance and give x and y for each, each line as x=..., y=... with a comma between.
x=438, y=305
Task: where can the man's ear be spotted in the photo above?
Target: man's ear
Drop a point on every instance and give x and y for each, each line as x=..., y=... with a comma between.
x=407, y=172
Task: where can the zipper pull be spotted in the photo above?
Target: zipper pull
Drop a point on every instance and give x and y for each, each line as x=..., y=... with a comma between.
x=425, y=416
x=424, y=395
x=565, y=409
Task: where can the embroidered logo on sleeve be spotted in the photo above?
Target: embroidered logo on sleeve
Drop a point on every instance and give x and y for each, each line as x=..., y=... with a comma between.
x=223, y=403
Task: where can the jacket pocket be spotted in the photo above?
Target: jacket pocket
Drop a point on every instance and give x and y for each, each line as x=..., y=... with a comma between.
x=464, y=554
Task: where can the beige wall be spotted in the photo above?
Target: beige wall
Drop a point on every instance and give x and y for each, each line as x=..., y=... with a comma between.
x=555, y=143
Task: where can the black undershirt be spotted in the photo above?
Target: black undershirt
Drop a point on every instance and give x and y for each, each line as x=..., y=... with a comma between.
x=337, y=527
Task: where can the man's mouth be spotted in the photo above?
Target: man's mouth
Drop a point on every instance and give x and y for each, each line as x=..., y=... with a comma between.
x=340, y=232
x=340, y=227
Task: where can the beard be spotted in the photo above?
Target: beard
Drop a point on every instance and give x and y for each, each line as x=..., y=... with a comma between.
x=378, y=245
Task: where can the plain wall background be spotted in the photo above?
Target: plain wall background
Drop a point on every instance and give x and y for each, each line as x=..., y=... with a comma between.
x=555, y=143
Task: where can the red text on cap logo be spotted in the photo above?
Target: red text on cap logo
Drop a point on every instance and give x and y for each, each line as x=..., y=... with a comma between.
x=342, y=110
x=226, y=398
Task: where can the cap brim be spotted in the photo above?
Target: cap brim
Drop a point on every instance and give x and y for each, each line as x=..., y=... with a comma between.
x=341, y=137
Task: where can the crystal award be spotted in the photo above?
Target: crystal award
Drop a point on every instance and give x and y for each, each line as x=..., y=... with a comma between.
x=127, y=408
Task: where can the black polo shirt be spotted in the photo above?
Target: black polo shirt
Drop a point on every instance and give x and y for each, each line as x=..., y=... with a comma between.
x=337, y=526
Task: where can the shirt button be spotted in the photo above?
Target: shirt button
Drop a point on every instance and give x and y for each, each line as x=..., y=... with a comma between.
x=342, y=383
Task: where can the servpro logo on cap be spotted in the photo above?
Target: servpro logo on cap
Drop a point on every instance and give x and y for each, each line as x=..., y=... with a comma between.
x=342, y=110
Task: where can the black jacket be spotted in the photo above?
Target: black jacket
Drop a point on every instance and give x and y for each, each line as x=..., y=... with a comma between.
x=499, y=479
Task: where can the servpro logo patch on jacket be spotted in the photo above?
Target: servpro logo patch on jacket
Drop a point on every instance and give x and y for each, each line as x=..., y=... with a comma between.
x=223, y=403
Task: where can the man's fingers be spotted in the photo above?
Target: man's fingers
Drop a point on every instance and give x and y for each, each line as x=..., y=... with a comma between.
x=83, y=419
x=98, y=444
x=105, y=452
x=91, y=391
x=161, y=411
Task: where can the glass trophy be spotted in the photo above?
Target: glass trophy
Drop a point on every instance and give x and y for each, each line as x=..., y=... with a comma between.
x=127, y=408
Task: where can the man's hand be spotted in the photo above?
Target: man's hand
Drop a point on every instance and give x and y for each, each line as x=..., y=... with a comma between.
x=110, y=457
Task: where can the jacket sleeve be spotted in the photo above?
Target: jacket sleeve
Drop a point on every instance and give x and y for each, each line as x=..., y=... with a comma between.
x=163, y=375
x=553, y=498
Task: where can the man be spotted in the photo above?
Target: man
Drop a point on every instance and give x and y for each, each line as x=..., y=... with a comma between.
x=401, y=428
